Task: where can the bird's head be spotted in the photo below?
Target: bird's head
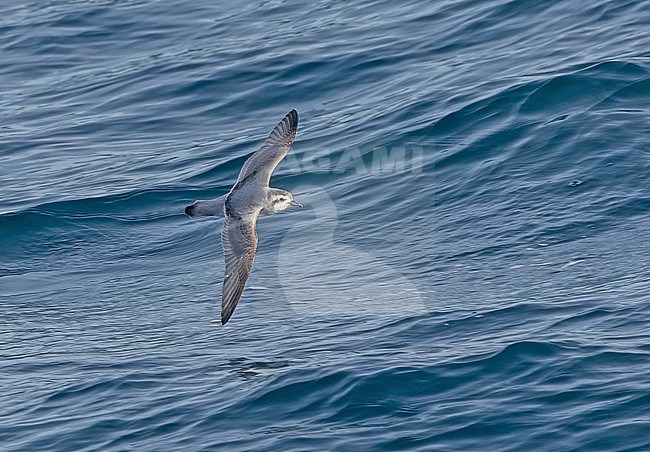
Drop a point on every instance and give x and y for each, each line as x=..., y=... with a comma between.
x=282, y=200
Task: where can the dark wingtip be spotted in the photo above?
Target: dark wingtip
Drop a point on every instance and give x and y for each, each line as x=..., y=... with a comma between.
x=293, y=119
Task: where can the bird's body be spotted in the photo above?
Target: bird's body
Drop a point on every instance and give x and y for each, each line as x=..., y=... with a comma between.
x=248, y=199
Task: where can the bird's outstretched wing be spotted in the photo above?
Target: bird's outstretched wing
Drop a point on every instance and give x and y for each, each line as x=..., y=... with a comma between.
x=263, y=162
x=239, y=241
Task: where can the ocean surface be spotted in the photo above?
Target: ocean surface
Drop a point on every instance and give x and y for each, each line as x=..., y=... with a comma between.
x=471, y=269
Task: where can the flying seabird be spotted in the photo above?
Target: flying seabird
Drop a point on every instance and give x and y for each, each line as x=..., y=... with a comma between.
x=249, y=198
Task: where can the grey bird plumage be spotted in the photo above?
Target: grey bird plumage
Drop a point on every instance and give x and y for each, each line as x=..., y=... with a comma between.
x=248, y=199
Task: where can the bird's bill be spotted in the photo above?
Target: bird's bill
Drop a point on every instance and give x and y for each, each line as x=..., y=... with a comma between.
x=295, y=203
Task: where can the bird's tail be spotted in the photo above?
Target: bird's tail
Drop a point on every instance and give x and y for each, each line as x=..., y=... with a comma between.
x=206, y=208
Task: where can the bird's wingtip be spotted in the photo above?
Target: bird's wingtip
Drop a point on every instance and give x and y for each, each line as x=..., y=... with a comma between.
x=293, y=118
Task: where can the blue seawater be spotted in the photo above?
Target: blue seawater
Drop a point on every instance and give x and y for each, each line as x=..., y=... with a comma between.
x=470, y=272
